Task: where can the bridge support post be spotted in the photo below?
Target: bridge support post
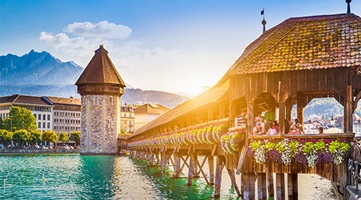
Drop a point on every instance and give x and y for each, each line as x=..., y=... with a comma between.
x=211, y=169
x=191, y=169
x=218, y=180
x=261, y=182
x=292, y=186
x=163, y=161
x=280, y=186
x=176, y=165
x=270, y=186
x=151, y=158
x=196, y=171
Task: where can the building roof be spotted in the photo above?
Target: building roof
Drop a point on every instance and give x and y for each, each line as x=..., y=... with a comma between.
x=65, y=101
x=100, y=70
x=316, y=42
x=151, y=109
x=23, y=99
x=210, y=96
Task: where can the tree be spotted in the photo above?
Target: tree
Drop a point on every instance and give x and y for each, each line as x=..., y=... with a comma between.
x=36, y=136
x=75, y=136
x=50, y=136
x=1, y=123
x=20, y=118
x=5, y=136
x=21, y=136
x=63, y=137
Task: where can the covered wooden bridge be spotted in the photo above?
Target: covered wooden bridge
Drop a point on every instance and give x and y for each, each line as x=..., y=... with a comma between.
x=298, y=60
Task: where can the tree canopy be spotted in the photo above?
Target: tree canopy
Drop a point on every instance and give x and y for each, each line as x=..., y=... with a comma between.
x=21, y=136
x=75, y=136
x=20, y=118
x=50, y=136
x=63, y=137
x=5, y=135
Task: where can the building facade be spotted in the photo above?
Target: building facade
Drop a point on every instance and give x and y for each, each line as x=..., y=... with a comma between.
x=127, y=119
x=146, y=113
x=41, y=108
x=67, y=114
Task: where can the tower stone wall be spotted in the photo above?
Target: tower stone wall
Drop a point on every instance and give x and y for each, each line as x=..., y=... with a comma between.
x=99, y=124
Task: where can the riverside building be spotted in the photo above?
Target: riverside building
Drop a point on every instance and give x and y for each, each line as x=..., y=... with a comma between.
x=41, y=107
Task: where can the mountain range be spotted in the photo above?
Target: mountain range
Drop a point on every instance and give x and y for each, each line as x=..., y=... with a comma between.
x=41, y=74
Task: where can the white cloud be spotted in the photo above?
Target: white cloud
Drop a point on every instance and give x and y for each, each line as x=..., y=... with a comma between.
x=77, y=46
x=103, y=29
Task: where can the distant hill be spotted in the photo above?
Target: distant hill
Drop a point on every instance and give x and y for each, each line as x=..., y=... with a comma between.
x=42, y=74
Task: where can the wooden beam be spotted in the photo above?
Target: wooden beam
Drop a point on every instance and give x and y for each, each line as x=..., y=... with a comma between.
x=292, y=186
x=280, y=186
x=282, y=117
x=201, y=170
x=184, y=162
x=301, y=103
x=211, y=169
x=218, y=180
x=233, y=180
x=270, y=185
x=348, y=110
x=261, y=182
x=163, y=162
x=190, y=170
x=241, y=159
x=176, y=165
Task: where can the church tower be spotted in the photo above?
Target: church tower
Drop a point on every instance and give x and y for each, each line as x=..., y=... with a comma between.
x=100, y=87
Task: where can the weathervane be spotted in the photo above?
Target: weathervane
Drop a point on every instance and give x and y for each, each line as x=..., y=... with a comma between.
x=348, y=6
x=264, y=21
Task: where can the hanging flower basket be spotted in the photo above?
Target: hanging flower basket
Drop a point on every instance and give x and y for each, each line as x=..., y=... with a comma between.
x=209, y=135
x=218, y=131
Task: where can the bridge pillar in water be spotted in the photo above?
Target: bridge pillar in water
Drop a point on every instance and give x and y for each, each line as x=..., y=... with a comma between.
x=100, y=87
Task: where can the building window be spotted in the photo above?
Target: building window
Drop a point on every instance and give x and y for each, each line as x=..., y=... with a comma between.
x=39, y=125
x=48, y=125
x=39, y=116
x=44, y=124
x=48, y=117
x=44, y=117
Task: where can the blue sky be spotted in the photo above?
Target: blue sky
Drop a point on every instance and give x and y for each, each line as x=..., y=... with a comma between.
x=174, y=45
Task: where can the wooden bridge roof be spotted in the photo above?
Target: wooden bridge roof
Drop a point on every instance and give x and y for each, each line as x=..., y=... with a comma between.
x=316, y=42
x=210, y=96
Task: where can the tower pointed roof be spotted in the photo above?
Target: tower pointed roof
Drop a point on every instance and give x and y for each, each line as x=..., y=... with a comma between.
x=100, y=70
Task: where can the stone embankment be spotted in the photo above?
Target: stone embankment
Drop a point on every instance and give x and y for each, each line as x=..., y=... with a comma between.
x=38, y=151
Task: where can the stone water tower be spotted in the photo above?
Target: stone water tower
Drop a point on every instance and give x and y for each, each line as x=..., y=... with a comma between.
x=100, y=87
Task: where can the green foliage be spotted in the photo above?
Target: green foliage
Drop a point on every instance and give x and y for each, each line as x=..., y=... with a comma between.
x=5, y=135
x=36, y=136
x=21, y=136
x=63, y=137
x=50, y=136
x=75, y=136
x=1, y=123
x=20, y=118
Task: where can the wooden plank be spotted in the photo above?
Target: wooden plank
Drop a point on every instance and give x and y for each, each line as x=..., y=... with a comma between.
x=241, y=159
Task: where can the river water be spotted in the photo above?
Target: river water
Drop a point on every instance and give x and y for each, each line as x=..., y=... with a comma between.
x=114, y=177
